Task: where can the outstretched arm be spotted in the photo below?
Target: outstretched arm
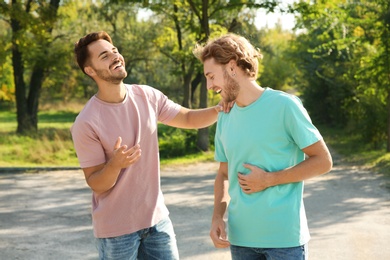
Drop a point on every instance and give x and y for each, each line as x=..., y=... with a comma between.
x=195, y=118
x=199, y=118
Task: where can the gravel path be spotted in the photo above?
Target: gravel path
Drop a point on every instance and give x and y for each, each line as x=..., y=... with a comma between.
x=46, y=215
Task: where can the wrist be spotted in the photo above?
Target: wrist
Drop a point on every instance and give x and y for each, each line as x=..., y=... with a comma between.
x=271, y=179
x=218, y=108
x=218, y=214
x=112, y=167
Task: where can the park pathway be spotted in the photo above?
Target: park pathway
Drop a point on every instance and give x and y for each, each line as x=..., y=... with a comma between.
x=46, y=215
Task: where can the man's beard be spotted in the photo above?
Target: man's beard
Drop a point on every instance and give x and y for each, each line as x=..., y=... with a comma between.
x=115, y=79
x=231, y=89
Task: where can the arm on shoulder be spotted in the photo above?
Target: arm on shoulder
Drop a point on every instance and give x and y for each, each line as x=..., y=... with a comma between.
x=195, y=118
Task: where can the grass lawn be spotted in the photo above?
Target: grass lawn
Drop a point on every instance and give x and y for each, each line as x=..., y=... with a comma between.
x=51, y=146
x=356, y=152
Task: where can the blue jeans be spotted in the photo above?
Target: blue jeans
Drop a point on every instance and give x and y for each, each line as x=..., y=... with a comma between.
x=157, y=242
x=253, y=253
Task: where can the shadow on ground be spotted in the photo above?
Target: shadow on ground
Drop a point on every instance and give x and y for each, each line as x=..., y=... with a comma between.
x=47, y=215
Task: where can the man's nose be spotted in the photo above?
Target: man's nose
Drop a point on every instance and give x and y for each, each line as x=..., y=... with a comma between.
x=115, y=56
x=209, y=85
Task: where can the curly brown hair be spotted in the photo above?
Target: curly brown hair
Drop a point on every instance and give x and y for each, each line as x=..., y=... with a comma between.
x=231, y=47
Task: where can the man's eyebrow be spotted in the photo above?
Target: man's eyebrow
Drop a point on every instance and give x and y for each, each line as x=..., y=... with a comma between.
x=208, y=73
x=104, y=52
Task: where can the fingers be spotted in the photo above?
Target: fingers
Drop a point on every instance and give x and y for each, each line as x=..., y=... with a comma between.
x=243, y=183
x=249, y=166
x=225, y=106
x=223, y=235
x=219, y=241
x=218, y=235
x=228, y=106
x=242, y=179
x=124, y=157
x=133, y=154
x=118, y=143
x=219, y=108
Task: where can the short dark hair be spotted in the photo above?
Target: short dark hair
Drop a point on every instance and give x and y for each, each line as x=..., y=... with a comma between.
x=81, y=50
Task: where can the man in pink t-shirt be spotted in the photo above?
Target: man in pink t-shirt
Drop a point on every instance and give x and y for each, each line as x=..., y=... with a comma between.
x=130, y=219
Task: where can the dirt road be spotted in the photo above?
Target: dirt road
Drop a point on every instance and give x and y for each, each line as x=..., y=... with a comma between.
x=46, y=215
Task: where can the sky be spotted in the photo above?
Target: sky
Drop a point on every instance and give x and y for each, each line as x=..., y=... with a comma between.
x=270, y=20
x=263, y=19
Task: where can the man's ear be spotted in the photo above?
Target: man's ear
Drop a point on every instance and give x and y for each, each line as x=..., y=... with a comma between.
x=232, y=65
x=89, y=71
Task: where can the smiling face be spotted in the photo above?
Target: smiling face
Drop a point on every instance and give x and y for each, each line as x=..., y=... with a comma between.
x=105, y=63
x=220, y=81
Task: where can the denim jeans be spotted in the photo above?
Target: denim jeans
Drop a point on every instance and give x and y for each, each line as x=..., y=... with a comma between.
x=157, y=242
x=253, y=253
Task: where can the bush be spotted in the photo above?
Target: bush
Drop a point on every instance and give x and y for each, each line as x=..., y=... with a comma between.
x=175, y=142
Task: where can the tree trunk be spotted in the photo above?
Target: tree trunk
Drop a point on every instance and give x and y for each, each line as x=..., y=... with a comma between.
x=388, y=120
x=187, y=93
x=203, y=134
x=194, y=84
x=187, y=99
x=186, y=75
x=27, y=108
x=34, y=94
x=23, y=119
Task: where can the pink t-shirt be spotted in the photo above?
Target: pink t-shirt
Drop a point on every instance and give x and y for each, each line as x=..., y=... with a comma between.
x=136, y=200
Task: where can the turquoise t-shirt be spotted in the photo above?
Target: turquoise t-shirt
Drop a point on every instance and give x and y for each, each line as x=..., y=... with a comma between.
x=270, y=134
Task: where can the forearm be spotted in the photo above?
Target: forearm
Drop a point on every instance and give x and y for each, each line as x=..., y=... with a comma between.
x=103, y=179
x=307, y=169
x=202, y=118
x=221, y=196
x=317, y=163
x=195, y=118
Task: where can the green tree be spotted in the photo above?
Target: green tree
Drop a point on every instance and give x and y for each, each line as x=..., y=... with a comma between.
x=372, y=31
x=344, y=58
x=196, y=21
x=31, y=23
x=323, y=56
x=7, y=88
x=278, y=70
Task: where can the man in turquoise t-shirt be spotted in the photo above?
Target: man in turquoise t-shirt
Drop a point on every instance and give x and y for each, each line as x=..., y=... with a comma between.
x=261, y=146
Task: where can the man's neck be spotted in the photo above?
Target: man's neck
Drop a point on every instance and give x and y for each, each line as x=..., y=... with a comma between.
x=249, y=93
x=111, y=93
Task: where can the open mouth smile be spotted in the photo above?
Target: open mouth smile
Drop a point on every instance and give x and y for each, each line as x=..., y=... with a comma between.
x=116, y=65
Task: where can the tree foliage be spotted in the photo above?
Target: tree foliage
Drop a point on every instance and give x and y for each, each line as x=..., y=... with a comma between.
x=344, y=59
x=31, y=25
x=338, y=59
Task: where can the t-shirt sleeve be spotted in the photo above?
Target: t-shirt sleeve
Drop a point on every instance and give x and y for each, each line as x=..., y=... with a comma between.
x=299, y=125
x=166, y=108
x=87, y=145
x=219, y=154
